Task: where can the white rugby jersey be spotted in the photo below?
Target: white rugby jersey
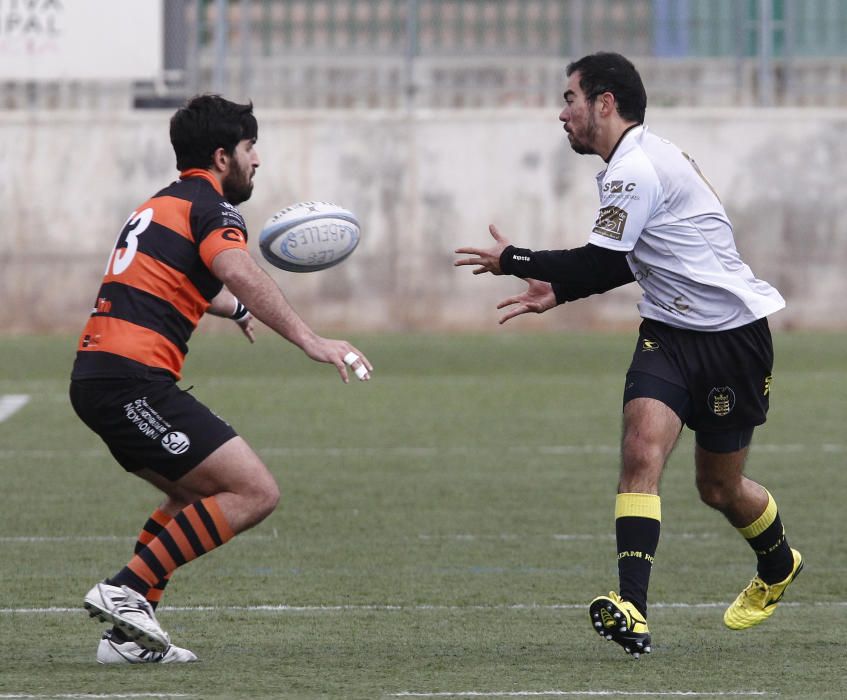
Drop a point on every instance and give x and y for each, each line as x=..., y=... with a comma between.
x=656, y=205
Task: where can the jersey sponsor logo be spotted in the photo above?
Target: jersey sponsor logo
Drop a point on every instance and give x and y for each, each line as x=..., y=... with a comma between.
x=721, y=400
x=90, y=341
x=231, y=215
x=103, y=306
x=175, y=442
x=618, y=186
x=677, y=306
x=641, y=271
x=680, y=304
x=610, y=223
x=233, y=235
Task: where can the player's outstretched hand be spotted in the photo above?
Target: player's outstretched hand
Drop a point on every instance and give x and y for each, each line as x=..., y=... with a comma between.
x=341, y=354
x=536, y=299
x=488, y=259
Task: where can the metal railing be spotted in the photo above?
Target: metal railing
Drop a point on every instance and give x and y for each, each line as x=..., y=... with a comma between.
x=394, y=54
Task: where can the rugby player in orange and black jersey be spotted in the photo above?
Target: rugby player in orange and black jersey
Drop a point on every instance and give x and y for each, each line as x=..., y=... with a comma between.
x=180, y=254
x=158, y=282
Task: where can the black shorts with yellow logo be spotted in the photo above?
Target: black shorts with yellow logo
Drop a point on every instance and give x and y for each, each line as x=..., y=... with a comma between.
x=150, y=424
x=716, y=382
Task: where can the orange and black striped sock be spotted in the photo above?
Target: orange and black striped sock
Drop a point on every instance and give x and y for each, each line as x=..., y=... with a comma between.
x=154, y=525
x=196, y=529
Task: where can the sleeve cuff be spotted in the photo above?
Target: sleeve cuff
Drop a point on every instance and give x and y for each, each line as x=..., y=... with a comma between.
x=560, y=293
x=514, y=260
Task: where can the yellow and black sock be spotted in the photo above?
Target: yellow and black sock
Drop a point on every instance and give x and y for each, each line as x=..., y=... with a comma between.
x=638, y=518
x=766, y=536
x=196, y=530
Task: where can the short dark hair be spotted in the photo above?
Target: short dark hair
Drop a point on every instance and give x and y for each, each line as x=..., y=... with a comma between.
x=206, y=123
x=610, y=72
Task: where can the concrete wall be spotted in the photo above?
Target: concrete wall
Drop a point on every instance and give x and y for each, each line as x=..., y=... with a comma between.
x=421, y=184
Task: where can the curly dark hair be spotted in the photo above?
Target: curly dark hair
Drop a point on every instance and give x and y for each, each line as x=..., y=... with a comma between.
x=206, y=123
x=610, y=72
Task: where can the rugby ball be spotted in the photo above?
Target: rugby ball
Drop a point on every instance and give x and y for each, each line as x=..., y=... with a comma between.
x=309, y=236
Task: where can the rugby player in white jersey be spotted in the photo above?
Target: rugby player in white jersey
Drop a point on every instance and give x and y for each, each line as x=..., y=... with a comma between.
x=704, y=353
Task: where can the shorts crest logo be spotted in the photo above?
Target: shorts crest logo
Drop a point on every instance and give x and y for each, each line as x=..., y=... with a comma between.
x=768, y=382
x=175, y=442
x=721, y=400
x=649, y=345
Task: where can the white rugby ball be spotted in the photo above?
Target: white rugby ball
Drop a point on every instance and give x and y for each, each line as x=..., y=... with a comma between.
x=309, y=236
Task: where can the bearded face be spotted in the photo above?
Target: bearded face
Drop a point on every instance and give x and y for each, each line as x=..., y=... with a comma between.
x=238, y=183
x=578, y=118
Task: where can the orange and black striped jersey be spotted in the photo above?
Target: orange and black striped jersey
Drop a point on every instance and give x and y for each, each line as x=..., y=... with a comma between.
x=158, y=282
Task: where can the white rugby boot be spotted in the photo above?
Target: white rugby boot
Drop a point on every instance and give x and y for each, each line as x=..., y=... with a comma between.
x=130, y=612
x=111, y=651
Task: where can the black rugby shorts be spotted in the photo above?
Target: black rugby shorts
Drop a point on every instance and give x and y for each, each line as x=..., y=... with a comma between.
x=716, y=382
x=150, y=424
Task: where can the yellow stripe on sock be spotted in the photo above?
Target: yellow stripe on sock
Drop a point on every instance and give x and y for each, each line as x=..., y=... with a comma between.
x=762, y=523
x=638, y=505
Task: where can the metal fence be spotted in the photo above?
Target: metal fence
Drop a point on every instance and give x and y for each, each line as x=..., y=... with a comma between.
x=395, y=54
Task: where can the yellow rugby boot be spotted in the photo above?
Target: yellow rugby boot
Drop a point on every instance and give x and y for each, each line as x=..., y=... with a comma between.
x=619, y=621
x=757, y=602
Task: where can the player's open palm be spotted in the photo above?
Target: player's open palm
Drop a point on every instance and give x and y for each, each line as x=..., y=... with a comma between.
x=536, y=299
x=487, y=259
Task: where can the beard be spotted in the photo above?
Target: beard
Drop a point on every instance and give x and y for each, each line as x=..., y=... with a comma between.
x=581, y=148
x=237, y=187
x=582, y=145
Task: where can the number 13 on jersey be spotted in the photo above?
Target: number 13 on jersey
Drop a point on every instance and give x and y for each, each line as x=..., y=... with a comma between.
x=127, y=243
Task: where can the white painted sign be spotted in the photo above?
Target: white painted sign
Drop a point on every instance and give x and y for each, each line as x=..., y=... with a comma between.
x=80, y=39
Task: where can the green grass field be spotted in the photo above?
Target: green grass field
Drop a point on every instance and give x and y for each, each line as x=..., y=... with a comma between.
x=441, y=532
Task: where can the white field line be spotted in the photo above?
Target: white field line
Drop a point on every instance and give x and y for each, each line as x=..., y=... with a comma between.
x=85, y=696
x=559, y=537
x=51, y=539
x=11, y=403
x=579, y=694
x=449, y=537
x=413, y=451
x=328, y=609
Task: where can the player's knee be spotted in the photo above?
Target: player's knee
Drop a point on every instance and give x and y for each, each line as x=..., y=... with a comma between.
x=263, y=499
x=270, y=499
x=641, y=455
x=714, y=493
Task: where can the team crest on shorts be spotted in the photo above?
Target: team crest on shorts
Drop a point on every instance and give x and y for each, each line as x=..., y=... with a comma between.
x=176, y=442
x=721, y=400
